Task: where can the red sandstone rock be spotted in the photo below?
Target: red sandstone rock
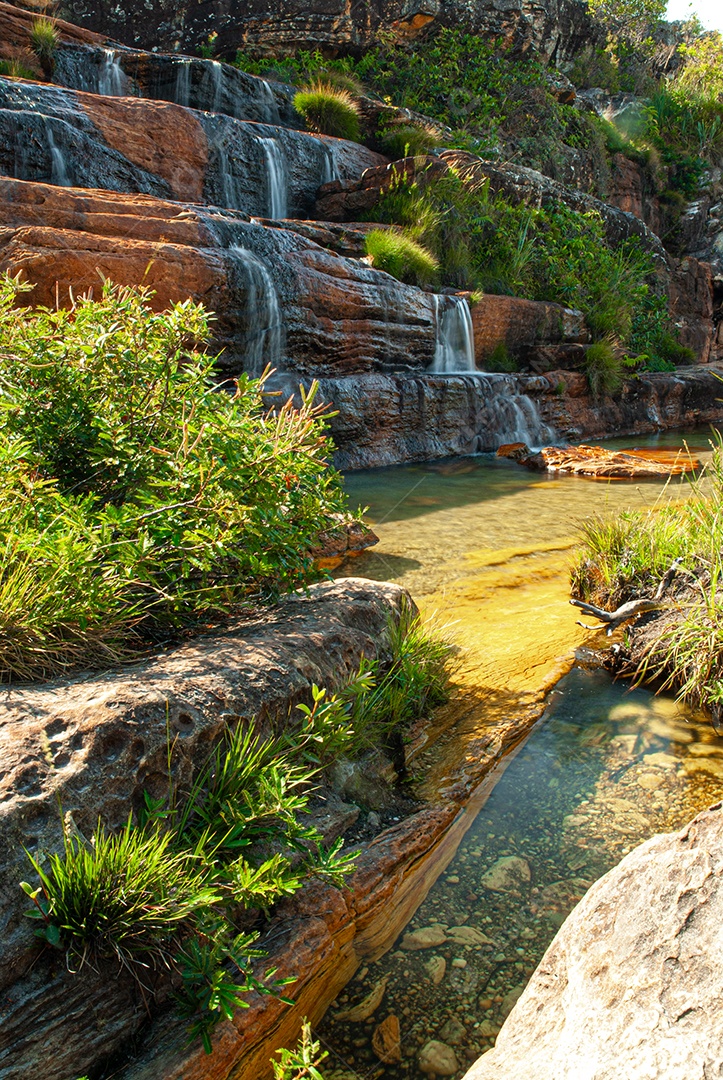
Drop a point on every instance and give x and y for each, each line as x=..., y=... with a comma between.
x=598, y=463
x=15, y=27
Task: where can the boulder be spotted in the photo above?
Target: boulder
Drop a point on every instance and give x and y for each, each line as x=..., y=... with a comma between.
x=437, y=1058
x=598, y=463
x=632, y=982
x=509, y=874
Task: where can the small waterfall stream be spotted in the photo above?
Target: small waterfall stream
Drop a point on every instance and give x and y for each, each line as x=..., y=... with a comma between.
x=112, y=81
x=182, y=95
x=59, y=169
x=454, y=348
x=277, y=178
x=264, y=328
x=216, y=71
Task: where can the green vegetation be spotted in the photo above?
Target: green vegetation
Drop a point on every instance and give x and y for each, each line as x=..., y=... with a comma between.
x=329, y=110
x=500, y=359
x=135, y=498
x=604, y=368
x=541, y=253
x=172, y=889
x=409, y=140
x=625, y=558
x=400, y=256
x=301, y=1062
x=44, y=41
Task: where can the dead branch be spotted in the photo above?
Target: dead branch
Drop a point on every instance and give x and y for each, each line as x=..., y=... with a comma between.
x=632, y=609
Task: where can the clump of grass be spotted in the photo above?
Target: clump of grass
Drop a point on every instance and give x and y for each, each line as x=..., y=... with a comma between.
x=625, y=558
x=603, y=367
x=44, y=41
x=329, y=110
x=401, y=256
x=172, y=890
x=409, y=140
x=16, y=69
x=501, y=360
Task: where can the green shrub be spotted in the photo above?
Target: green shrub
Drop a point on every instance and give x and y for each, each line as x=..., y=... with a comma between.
x=400, y=256
x=409, y=140
x=134, y=496
x=329, y=111
x=44, y=41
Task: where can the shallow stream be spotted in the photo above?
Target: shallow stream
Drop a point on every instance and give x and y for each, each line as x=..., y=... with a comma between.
x=484, y=546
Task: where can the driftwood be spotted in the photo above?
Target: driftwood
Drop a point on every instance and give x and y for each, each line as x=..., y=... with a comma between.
x=613, y=619
x=597, y=463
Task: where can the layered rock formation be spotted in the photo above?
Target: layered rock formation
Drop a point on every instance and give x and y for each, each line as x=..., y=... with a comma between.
x=555, y=29
x=631, y=983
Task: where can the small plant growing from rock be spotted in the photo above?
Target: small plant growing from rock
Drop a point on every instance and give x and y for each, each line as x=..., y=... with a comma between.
x=16, y=69
x=401, y=256
x=329, y=111
x=302, y=1062
x=409, y=140
x=44, y=41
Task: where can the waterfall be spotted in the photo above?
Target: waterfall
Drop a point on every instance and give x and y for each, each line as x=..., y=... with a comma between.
x=330, y=171
x=111, y=78
x=511, y=416
x=263, y=316
x=216, y=70
x=269, y=104
x=277, y=179
x=182, y=95
x=454, y=347
x=59, y=171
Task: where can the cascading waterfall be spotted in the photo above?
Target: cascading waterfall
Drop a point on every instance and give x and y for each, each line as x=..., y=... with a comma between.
x=112, y=80
x=263, y=314
x=454, y=347
x=503, y=414
x=277, y=178
x=182, y=95
x=59, y=171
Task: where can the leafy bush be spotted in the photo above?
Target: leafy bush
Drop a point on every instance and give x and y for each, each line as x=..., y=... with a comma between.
x=135, y=496
x=301, y=1062
x=44, y=41
x=400, y=256
x=329, y=111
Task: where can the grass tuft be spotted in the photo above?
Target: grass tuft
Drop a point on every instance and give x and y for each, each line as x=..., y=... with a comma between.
x=401, y=256
x=44, y=41
x=329, y=111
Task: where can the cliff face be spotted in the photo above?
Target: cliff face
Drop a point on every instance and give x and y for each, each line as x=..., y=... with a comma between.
x=554, y=29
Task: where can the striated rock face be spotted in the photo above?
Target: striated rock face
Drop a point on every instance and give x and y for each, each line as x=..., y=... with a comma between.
x=279, y=298
x=632, y=982
x=553, y=28
x=523, y=325
x=70, y=138
x=95, y=744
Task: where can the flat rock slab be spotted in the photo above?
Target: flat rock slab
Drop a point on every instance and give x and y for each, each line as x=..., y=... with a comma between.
x=631, y=985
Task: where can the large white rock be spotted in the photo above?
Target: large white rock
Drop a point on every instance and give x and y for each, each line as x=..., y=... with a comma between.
x=632, y=985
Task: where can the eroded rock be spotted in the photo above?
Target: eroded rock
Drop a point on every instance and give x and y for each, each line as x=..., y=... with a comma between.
x=427, y=937
x=437, y=1058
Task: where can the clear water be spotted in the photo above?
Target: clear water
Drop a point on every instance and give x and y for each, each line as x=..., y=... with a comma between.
x=487, y=544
